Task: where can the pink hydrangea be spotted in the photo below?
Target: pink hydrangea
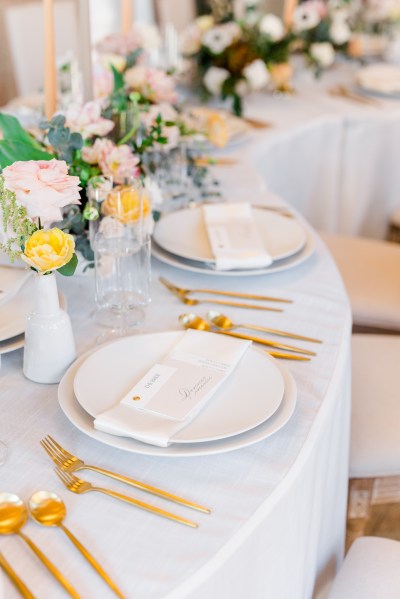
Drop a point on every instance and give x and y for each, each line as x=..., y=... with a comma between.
x=117, y=162
x=87, y=120
x=43, y=187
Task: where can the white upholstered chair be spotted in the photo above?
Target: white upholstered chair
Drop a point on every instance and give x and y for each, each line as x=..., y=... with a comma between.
x=371, y=273
x=371, y=570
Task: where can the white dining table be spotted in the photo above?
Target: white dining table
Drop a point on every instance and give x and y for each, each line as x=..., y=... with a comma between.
x=333, y=159
x=278, y=516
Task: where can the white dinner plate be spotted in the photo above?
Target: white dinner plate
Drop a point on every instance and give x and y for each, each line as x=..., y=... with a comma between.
x=206, y=268
x=249, y=396
x=13, y=315
x=184, y=234
x=381, y=79
x=84, y=422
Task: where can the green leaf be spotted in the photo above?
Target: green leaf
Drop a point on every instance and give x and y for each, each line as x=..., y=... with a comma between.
x=12, y=129
x=12, y=150
x=68, y=269
x=118, y=79
x=76, y=141
x=58, y=121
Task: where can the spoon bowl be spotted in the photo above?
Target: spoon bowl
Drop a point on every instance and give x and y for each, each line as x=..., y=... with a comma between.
x=13, y=514
x=47, y=508
x=192, y=321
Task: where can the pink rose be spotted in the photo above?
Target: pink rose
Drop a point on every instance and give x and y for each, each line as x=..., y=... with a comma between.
x=43, y=187
x=117, y=162
x=155, y=85
x=168, y=113
x=103, y=82
x=87, y=120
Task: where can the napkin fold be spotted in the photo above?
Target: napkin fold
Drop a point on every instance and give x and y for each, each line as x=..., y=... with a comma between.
x=173, y=392
x=11, y=281
x=234, y=238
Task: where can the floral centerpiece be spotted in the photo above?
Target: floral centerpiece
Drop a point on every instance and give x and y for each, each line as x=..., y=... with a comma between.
x=322, y=29
x=376, y=28
x=226, y=58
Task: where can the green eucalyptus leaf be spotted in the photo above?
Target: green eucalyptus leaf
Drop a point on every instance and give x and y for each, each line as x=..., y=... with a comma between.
x=76, y=141
x=58, y=120
x=68, y=269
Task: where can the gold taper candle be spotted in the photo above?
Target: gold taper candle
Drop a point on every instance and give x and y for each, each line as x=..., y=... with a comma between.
x=288, y=10
x=50, y=75
x=126, y=15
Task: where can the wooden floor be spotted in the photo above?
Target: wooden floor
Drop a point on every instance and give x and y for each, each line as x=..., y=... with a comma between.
x=373, y=508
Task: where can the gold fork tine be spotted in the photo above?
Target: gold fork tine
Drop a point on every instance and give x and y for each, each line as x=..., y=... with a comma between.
x=67, y=462
x=79, y=486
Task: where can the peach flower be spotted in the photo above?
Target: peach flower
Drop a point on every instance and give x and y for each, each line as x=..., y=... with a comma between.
x=154, y=84
x=43, y=187
x=87, y=120
x=117, y=162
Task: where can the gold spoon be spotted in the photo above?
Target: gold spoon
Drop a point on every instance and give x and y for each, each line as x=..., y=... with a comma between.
x=48, y=509
x=223, y=322
x=13, y=516
x=192, y=321
x=15, y=579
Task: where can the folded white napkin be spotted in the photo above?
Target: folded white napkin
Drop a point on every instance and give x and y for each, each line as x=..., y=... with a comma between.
x=234, y=238
x=11, y=281
x=173, y=392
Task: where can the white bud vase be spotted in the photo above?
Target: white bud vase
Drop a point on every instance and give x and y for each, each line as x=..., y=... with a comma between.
x=49, y=342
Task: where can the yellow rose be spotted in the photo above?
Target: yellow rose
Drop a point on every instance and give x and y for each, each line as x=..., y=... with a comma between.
x=124, y=203
x=48, y=250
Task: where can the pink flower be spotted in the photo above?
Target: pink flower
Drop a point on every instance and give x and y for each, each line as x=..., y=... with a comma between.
x=141, y=36
x=117, y=162
x=43, y=187
x=155, y=85
x=168, y=113
x=87, y=120
x=103, y=82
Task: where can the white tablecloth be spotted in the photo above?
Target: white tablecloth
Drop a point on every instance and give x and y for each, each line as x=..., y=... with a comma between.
x=278, y=507
x=335, y=160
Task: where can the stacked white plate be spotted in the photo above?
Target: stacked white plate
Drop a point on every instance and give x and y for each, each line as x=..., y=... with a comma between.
x=255, y=402
x=16, y=292
x=381, y=79
x=180, y=240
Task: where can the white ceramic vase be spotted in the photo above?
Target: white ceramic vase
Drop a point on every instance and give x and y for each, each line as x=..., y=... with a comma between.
x=49, y=341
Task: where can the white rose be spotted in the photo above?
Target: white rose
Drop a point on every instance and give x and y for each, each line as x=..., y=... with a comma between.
x=305, y=17
x=214, y=79
x=323, y=53
x=273, y=27
x=256, y=74
x=339, y=32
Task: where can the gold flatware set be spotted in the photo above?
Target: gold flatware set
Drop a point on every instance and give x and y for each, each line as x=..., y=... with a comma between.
x=341, y=91
x=48, y=509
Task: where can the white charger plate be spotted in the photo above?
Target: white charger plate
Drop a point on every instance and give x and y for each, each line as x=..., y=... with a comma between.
x=206, y=268
x=249, y=396
x=184, y=234
x=84, y=422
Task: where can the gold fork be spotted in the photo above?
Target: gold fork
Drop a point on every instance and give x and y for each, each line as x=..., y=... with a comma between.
x=79, y=486
x=67, y=462
x=182, y=291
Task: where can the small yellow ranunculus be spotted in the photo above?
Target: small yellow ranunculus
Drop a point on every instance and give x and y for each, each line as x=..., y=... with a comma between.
x=48, y=250
x=217, y=130
x=124, y=203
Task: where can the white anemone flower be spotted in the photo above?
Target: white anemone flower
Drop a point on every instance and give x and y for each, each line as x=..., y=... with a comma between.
x=323, y=53
x=256, y=74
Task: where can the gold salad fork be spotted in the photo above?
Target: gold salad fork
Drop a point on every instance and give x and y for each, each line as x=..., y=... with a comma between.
x=252, y=296
x=79, y=486
x=67, y=462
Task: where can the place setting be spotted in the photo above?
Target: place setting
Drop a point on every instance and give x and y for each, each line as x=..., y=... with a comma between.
x=231, y=239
